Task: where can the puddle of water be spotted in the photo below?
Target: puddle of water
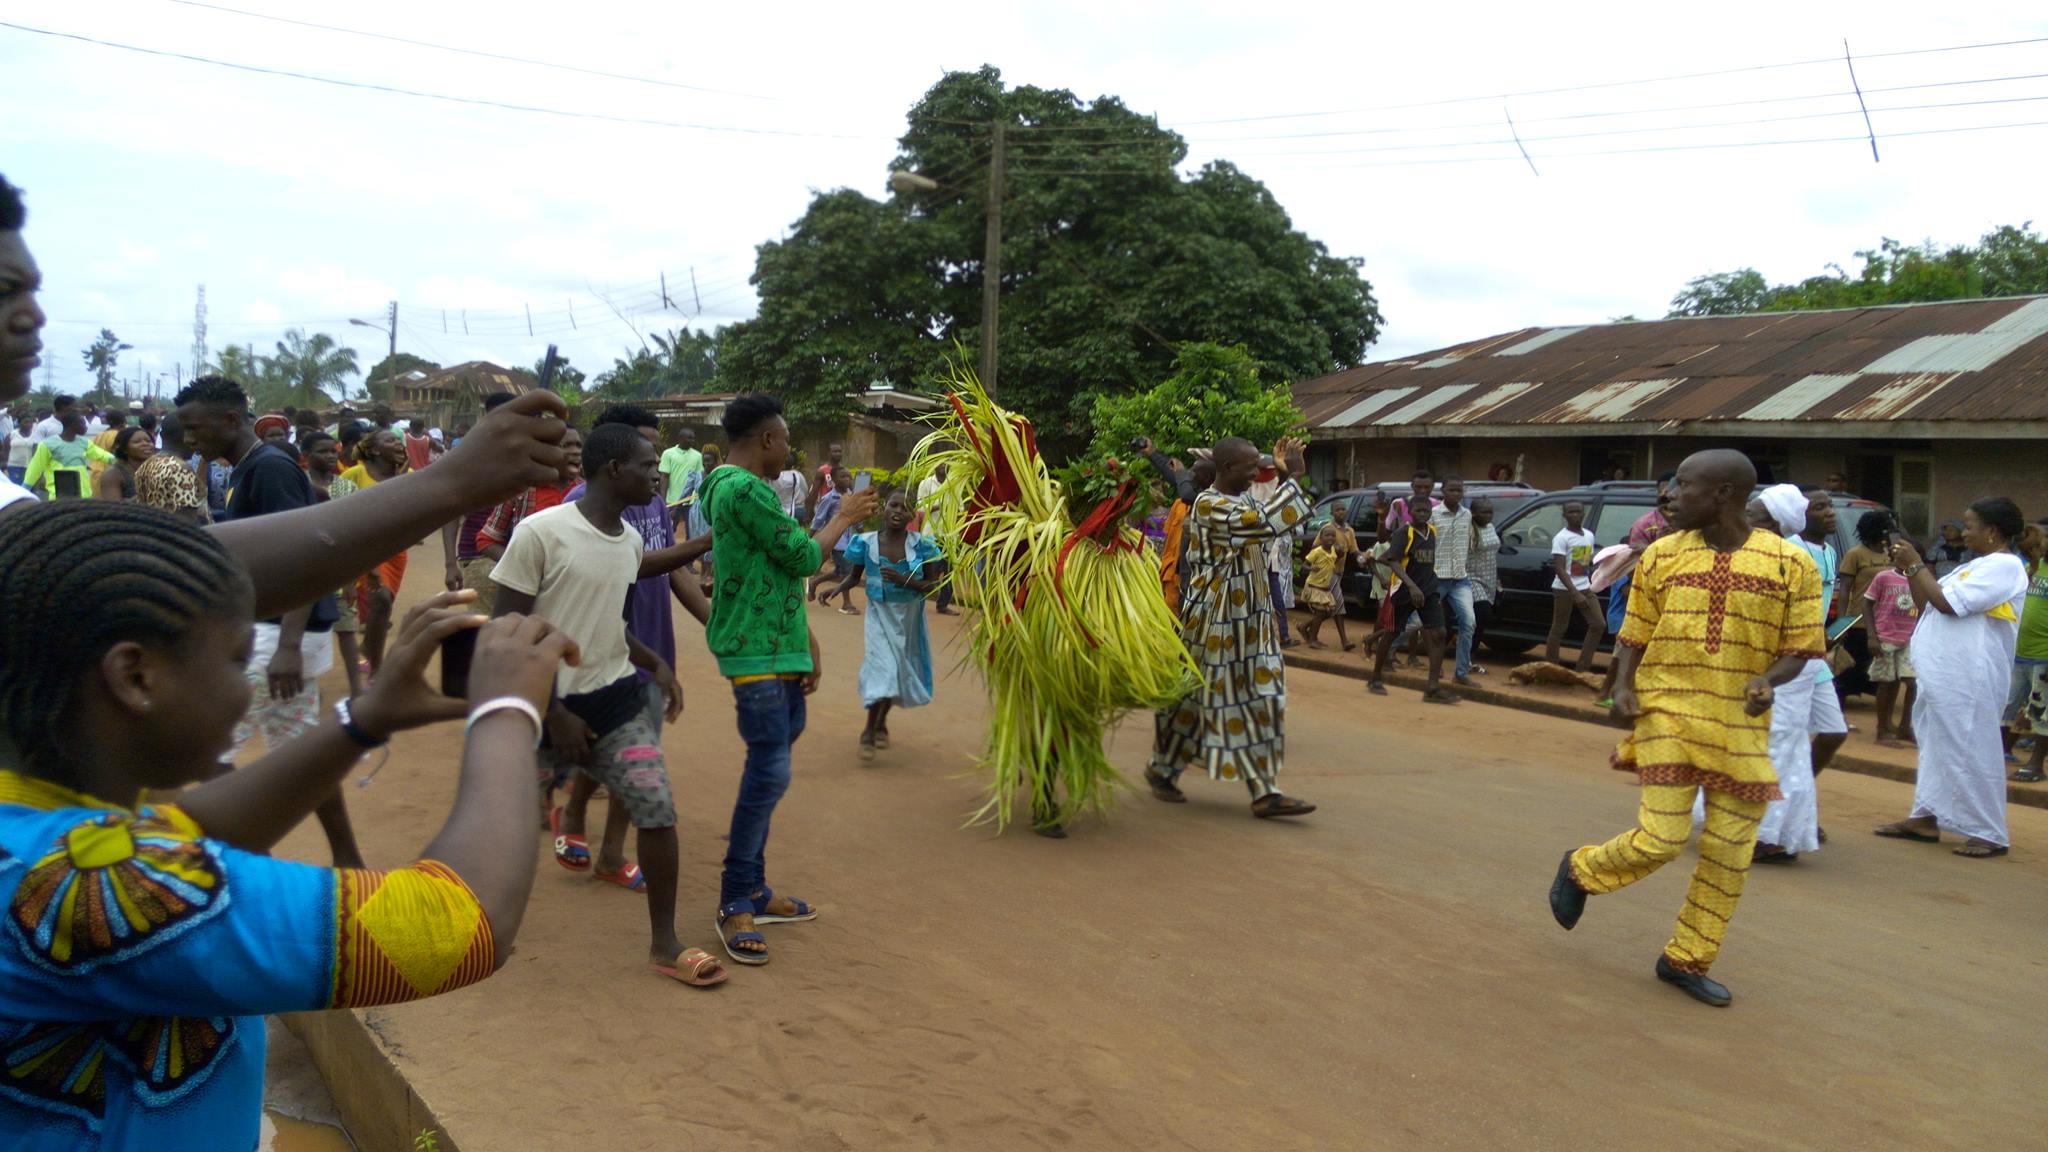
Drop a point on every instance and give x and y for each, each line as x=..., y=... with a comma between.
x=281, y=1133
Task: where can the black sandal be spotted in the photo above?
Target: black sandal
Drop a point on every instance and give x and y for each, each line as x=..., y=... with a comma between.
x=1164, y=789
x=2027, y=776
x=1276, y=806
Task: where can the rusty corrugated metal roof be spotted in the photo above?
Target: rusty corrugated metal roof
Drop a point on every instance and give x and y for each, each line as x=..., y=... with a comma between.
x=476, y=378
x=1964, y=360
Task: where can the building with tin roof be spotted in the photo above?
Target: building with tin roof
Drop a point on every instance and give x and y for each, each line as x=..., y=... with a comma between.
x=1922, y=406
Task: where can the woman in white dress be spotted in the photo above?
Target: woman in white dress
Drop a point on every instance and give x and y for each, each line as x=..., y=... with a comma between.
x=1962, y=650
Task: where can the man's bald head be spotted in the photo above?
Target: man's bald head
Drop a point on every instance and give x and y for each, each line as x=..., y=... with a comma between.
x=1236, y=460
x=1713, y=487
x=1723, y=466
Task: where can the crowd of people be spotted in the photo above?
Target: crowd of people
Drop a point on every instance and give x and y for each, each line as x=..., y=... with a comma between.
x=176, y=582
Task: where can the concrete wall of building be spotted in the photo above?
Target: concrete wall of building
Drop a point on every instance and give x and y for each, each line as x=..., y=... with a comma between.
x=1965, y=470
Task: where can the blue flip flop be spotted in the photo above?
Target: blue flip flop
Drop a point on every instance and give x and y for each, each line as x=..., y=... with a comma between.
x=803, y=911
x=741, y=956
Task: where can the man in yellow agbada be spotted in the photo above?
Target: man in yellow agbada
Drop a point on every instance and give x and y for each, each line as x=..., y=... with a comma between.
x=1719, y=615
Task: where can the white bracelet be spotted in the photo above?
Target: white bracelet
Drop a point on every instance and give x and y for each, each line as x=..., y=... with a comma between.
x=505, y=704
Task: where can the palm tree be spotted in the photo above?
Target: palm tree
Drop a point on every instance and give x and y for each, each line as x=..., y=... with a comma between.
x=308, y=366
x=240, y=363
x=102, y=357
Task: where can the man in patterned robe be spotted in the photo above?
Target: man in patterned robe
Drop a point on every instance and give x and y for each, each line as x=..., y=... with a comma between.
x=1231, y=724
x=1720, y=616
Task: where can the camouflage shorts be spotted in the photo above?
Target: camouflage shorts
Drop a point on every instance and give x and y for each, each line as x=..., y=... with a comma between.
x=628, y=761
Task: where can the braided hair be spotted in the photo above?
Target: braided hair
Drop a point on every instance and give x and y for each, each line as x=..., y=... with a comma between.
x=78, y=577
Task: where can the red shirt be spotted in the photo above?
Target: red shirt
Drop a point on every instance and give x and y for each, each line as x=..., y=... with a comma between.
x=506, y=517
x=419, y=451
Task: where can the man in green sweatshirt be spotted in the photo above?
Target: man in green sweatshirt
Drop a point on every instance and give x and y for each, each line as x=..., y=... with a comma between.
x=764, y=645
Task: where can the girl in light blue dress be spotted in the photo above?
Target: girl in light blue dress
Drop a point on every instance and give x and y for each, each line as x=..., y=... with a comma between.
x=900, y=568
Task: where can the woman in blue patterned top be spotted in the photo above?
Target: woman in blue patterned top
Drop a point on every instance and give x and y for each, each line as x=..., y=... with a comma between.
x=141, y=943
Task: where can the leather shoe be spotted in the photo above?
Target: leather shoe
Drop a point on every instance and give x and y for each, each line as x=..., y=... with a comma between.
x=1567, y=899
x=1698, y=987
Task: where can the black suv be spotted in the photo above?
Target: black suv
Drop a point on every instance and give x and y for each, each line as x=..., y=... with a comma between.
x=1521, y=614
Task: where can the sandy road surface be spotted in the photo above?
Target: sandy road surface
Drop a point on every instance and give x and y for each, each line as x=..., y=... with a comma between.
x=1383, y=975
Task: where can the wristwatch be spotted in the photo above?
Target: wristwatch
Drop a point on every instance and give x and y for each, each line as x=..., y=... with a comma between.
x=1913, y=571
x=353, y=730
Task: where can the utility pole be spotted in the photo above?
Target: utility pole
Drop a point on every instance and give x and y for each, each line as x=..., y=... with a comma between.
x=992, y=259
x=199, y=334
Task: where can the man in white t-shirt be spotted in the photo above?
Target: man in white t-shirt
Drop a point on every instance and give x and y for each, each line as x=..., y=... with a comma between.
x=1571, y=558
x=574, y=565
x=793, y=491
x=53, y=424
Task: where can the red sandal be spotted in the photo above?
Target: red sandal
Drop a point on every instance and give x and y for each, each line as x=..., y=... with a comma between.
x=571, y=852
x=628, y=878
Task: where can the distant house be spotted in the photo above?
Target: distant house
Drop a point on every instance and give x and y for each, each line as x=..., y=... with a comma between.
x=1922, y=406
x=880, y=431
x=445, y=397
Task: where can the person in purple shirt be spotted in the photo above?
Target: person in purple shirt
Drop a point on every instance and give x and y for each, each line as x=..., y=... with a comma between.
x=651, y=621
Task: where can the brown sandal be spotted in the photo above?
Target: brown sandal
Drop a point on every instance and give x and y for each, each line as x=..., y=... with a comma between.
x=1975, y=849
x=695, y=967
x=1276, y=806
x=1164, y=789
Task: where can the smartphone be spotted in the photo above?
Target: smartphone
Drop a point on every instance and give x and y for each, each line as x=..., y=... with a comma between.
x=1894, y=539
x=456, y=653
x=547, y=369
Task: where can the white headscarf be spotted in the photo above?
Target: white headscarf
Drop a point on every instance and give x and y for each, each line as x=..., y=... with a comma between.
x=1787, y=505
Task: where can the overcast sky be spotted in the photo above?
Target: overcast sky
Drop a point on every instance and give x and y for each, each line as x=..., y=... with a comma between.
x=306, y=204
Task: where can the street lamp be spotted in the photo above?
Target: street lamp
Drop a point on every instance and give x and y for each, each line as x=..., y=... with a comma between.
x=905, y=182
x=390, y=331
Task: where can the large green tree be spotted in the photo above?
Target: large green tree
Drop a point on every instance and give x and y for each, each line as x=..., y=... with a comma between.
x=1214, y=391
x=1111, y=260
x=2007, y=261
x=391, y=367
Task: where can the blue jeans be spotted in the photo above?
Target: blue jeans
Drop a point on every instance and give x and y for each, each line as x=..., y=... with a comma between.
x=1458, y=598
x=771, y=715
x=1278, y=593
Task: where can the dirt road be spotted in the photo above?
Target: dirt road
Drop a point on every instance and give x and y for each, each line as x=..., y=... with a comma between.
x=1383, y=975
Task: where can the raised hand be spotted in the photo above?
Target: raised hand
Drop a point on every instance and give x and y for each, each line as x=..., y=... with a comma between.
x=399, y=696
x=510, y=450
x=518, y=656
x=856, y=507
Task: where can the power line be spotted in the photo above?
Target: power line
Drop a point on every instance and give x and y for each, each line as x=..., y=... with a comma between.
x=1842, y=94
x=1828, y=60
x=477, y=52
x=1857, y=139
x=1647, y=130
x=473, y=101
x=1515, y=158
x=1142, y=147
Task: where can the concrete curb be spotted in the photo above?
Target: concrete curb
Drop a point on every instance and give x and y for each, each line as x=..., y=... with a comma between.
x=2025, y=795
x=377, y=1102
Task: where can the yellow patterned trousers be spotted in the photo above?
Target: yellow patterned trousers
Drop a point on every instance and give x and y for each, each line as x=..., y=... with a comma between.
x=1662, y=828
